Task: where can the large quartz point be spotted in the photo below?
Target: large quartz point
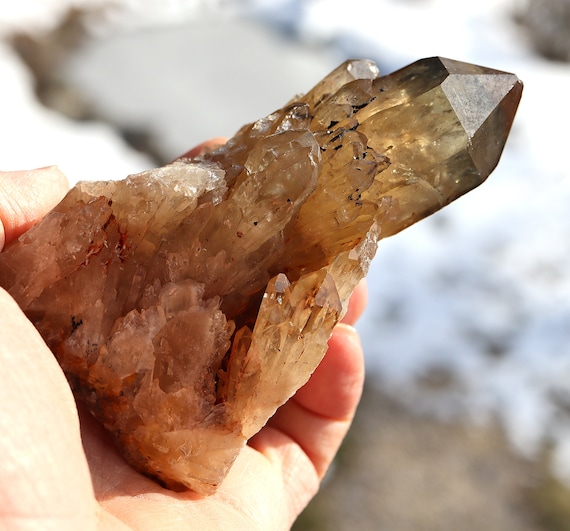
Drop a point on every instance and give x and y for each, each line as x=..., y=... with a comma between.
x=186, y=303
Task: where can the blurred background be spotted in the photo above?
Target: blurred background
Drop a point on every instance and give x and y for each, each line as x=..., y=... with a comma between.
x=465, y=421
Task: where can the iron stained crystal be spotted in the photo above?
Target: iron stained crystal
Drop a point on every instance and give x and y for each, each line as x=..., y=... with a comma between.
x=188, y=302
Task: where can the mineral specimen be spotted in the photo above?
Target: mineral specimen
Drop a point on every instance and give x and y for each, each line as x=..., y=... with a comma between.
x=186, y=303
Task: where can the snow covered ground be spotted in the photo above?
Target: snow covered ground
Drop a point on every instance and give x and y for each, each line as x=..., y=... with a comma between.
x=477, y=297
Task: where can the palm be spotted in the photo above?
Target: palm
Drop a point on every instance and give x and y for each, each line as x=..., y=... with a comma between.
x=127, y=496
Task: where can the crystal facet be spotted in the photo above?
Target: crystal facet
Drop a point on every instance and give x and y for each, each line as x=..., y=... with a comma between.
x=186, y=303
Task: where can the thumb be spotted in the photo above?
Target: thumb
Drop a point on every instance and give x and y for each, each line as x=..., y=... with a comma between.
x=26, y=196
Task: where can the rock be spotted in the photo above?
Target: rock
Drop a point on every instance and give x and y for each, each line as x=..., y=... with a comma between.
x=186, y=303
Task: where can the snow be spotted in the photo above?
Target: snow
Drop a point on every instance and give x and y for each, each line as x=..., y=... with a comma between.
x=189, y=88
x=32, y=136
x=480, y=291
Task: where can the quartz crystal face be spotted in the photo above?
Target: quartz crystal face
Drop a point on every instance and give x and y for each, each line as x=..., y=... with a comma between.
x=186, y=303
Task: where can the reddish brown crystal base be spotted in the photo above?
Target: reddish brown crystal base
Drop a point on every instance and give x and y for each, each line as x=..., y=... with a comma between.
x=185, y=304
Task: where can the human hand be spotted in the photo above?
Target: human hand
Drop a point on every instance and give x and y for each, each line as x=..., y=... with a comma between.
x=61, y=470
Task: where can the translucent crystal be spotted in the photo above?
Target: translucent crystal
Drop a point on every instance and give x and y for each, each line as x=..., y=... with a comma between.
x=186, y=303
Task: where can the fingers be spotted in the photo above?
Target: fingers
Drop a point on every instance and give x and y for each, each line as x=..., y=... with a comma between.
x=25, y=197
x=305, y=434
x=334, y=390
x=319, y=415
x=43, y=471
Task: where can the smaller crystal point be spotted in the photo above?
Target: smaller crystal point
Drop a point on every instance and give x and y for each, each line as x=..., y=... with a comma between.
x=348, y=71
x=187, y=303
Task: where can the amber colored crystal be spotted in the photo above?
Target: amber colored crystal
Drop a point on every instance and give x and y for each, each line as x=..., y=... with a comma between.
x=186, y=303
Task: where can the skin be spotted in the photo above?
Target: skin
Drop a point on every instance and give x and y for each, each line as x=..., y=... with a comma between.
x=59, y=469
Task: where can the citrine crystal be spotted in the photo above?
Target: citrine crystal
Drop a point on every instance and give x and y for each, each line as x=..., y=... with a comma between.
x=186, y=303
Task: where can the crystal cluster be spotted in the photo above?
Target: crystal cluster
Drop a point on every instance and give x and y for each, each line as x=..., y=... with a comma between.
x=186, y=303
